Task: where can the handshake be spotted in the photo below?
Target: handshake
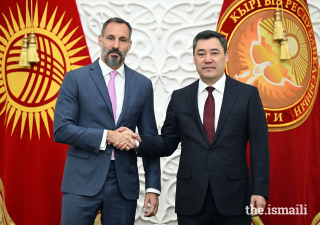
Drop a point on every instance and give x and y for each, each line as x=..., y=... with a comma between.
x=123, y=138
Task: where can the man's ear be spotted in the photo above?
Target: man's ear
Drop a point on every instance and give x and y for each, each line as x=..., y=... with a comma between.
x=100, y=40
x=226, y=56
x=129, y=45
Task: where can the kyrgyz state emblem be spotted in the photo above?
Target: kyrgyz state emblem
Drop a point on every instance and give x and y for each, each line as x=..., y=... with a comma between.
x=287, y=88
x=28, y=94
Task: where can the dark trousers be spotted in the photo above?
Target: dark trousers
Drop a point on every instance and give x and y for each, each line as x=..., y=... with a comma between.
x=209, y=215
x=115, y=209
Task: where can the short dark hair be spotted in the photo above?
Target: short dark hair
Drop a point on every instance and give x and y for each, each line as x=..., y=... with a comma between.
x=116, y=20
x=207, y=34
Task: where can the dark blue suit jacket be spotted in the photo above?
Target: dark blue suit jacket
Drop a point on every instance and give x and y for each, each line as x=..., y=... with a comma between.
x=83, y=110
x=224, y=162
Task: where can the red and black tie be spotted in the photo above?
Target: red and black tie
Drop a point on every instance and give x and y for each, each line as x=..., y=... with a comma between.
x=208, y=115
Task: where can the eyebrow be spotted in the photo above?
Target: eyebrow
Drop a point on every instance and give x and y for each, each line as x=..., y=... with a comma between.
x=213, y=49
x=110, y=35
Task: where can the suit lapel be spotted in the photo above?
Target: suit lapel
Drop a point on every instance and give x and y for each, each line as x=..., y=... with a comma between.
x=98, y=78
x=191, y=95
x=229, y=98
x=129, y=87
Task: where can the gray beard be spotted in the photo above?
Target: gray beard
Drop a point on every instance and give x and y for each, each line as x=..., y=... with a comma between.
x=113, y=62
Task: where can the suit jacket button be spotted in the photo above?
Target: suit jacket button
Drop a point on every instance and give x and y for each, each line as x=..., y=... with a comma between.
x=109, y=152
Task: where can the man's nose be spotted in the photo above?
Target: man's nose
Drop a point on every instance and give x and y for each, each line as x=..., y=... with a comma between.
x=116, y=44
x=208, y=58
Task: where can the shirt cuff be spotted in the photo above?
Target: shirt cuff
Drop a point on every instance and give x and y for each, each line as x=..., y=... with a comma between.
x=152, y=190
x=103, y=144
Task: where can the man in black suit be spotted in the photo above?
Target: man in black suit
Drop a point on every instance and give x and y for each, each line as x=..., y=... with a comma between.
x=214, y=118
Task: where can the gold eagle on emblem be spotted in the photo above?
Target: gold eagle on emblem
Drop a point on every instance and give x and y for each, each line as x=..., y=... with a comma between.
x=262, y=66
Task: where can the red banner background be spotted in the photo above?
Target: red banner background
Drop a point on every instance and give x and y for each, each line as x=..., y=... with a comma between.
x=295, y=167
x=31, y=170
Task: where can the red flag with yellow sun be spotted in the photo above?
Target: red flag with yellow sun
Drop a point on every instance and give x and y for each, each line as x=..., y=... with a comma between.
x=272, y=46
x=31, y=163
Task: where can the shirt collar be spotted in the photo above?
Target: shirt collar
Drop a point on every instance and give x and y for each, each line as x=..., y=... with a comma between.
x=105, y=69
x=219, y=85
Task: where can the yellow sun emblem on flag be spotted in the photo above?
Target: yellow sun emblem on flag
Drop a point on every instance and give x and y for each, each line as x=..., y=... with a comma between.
x=30, y=94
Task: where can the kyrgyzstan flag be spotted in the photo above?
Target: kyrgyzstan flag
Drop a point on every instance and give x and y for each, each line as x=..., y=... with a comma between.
x=288, y=89
x=31, y=163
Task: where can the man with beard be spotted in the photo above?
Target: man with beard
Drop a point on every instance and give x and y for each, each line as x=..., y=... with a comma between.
x=93, y=102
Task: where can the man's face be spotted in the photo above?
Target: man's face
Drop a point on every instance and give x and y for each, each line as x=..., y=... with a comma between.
x=115, y=44
x=210, y=60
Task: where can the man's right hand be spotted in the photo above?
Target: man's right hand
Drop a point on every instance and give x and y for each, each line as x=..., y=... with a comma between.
x=119, y=136
x=123, y=145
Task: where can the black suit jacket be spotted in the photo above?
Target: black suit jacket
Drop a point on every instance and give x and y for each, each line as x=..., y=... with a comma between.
x=224, y=162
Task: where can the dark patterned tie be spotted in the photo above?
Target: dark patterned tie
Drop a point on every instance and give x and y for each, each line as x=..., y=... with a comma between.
x=208, y=115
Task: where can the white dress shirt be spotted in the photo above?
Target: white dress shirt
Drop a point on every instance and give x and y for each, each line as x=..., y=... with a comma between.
x=120, y=87
x=217, y=95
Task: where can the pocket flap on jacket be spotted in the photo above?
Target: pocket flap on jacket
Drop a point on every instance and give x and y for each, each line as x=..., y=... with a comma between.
x=184, y=173
x=239, y=173
x=78, y=152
